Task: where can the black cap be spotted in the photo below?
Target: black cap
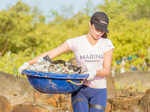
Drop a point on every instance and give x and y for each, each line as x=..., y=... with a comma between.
x=100, y=21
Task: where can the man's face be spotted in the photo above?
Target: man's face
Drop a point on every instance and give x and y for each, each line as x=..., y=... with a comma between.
x=96, y=34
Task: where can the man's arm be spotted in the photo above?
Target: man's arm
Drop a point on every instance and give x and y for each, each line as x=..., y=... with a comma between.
x=106, y=65
x=52, y=53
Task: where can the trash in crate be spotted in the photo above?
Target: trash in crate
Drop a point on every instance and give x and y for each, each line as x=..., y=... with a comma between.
x=58, y=66
x=53, y=77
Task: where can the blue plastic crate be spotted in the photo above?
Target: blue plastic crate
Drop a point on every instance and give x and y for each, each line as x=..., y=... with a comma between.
x=53, y=83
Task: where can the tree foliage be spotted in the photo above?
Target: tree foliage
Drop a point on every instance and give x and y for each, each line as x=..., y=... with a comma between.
x=24, y=33
x=133, y=9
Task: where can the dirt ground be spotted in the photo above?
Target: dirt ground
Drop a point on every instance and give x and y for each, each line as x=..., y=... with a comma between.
x=139, y=80
x=17, y=94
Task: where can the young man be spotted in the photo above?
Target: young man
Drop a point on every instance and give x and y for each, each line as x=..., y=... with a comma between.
x=93, y=52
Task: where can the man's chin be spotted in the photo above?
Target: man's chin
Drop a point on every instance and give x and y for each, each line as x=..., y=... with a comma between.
x=97, y=38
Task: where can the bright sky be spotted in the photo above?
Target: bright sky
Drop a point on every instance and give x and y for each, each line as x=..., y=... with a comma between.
x=46, y=5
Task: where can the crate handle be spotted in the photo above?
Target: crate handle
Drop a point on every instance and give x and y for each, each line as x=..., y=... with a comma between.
x=75, y=82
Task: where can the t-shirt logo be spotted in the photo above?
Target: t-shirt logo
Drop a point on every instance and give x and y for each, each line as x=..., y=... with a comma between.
x=91, y=57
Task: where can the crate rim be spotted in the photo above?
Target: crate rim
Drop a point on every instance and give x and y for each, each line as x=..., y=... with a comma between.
x=54, y=75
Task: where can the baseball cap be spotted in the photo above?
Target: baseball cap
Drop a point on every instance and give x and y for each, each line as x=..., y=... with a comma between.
x=100, y=21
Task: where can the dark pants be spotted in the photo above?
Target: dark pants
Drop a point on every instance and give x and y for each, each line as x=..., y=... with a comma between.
x=89, y=100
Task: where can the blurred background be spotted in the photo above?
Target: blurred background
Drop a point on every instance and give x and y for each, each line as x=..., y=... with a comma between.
x=31, y=27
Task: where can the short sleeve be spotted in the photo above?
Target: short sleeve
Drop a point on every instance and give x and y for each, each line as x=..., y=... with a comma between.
x=109, y=45
x=70, y=42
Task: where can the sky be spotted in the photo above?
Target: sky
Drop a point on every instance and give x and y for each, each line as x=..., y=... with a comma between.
x=58, y=5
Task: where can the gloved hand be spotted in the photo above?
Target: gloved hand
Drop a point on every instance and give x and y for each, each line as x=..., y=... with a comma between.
x=41, y=59
x=45, y=58
x=92, y=74
x=23, y=67
x=91, y=71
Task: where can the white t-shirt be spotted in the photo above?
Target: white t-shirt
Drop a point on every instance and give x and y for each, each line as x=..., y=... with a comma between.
x=89, y=55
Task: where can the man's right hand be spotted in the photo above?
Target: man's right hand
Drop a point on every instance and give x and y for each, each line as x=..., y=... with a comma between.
x=23, y=67
x=91, y=71
x=92, y=75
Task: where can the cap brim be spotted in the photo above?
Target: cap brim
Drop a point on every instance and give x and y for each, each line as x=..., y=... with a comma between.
x=101, y=28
